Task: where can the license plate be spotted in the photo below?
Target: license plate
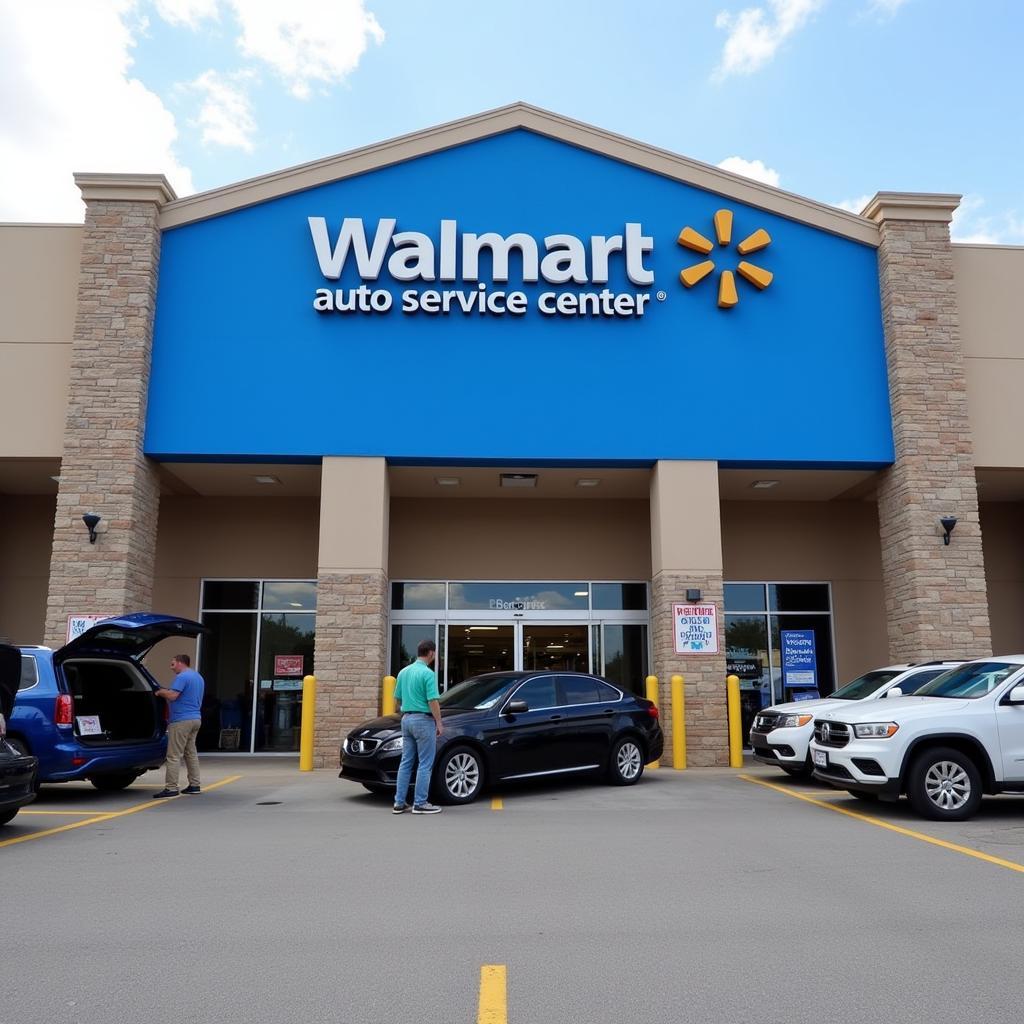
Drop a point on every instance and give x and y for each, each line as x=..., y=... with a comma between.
x=820, y=758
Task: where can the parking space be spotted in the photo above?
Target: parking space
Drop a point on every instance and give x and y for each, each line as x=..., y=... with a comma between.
x=695, y=896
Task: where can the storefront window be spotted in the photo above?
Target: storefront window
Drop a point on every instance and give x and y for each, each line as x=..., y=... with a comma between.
x=254, y=662
x=417, y=596
x=518, y=597
x=630, y=597
x=779, y=642
x=625, y=657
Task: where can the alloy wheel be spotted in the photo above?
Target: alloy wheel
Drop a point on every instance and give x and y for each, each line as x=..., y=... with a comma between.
x=629, y=760
x=948, y=785
x=462, y=775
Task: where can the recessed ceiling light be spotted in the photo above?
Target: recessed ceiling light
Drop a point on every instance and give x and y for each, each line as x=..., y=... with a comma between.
x=588, y=482
x=518, y=479
x=581, y=593
x=266, y=479
x=763, y=485
x=447, y=481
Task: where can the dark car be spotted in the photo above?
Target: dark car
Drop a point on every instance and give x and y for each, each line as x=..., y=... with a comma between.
x=516, y=725
x=17, y=770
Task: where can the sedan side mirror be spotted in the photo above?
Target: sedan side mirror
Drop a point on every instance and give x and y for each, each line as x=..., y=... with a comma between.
x=518, y=707
x=1016, y=695
x=895, y=692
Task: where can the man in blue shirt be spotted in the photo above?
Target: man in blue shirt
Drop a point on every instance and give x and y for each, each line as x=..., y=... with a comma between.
x=416, y=696
x=185, y=696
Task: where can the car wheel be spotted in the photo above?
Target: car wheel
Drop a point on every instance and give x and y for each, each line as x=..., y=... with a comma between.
x=627, y=762
x=944, y=785
x=459, y=777
x=113, y=782
x=20, y=747
x=6, y=816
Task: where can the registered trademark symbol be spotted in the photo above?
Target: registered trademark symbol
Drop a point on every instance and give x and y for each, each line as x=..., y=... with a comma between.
x=661, y=296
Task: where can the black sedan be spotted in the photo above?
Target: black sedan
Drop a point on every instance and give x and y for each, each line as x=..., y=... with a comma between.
x=17, y=770
x=507, y=726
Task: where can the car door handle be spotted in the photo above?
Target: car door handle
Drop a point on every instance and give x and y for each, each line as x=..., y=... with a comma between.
x=554, y=718
x=609, y=711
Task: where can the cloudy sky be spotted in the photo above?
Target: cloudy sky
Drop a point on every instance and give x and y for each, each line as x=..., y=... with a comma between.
x=832, y=99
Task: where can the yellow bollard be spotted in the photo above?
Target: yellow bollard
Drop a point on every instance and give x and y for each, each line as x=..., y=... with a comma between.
x=732, y=687
x=678, y=723
x=308, y=718
x=652, y=695
x=387, y=696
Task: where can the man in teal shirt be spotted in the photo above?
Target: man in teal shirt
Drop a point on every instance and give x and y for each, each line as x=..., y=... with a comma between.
x=416, y=698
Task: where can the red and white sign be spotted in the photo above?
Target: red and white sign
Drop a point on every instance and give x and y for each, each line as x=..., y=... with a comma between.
x=695, y=627
x=78, y=624
x=288, y=664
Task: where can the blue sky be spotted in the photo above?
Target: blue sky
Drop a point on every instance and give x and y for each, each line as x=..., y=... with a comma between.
x=835, y=99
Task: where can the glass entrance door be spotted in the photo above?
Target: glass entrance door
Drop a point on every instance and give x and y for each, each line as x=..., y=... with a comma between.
x=563, y=648
x=475, y=648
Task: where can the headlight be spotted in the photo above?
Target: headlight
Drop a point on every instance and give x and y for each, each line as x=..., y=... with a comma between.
x=391, y=745
x=793, y=721
x=875, y=730
x=344, y=744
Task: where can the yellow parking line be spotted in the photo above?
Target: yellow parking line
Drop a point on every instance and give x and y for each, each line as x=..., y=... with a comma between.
x=107, y=816
x=497, y=804
x=493, y=1006
x=65, y=813
x=967, y=851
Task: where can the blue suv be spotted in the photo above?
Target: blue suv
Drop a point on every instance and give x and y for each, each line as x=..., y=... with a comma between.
x=89, y=710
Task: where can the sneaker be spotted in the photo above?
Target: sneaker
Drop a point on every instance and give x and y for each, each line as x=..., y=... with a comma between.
x=426, y=809
x=399, y=808
x=191, y=790
x=164, y=793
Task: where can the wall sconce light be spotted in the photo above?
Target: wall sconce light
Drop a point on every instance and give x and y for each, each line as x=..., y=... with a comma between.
x=948, y=523
x=693, y=597
x=91, y=521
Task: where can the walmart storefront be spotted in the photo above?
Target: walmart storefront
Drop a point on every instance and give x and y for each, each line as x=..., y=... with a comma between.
x=550, y=396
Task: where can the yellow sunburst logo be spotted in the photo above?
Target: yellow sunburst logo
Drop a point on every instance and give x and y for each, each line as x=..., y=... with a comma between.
x=757, y=276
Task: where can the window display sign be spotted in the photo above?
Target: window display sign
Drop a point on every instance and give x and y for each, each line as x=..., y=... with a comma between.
x=288, y=664
x=78, y=624
x=799, y=663
x=89, y=725
x=745, y=668
x=695, y=627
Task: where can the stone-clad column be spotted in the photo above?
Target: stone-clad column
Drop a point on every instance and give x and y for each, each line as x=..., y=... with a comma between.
x=103, y=469
x=686, y=554
x=352, y=599
x=935, y=595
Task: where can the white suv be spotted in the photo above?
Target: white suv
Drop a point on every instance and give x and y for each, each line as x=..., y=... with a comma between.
x=962, y=735
x=781, y=734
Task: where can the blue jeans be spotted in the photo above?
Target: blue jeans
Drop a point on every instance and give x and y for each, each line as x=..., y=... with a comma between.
x=419, y=742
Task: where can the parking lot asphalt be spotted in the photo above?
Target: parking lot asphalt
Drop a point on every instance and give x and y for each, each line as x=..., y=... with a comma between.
x=694, y=896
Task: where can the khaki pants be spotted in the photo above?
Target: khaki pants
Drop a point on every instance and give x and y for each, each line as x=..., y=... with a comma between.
x=181, y=741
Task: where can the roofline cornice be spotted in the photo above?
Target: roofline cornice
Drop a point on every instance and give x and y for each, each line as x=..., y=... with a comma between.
x=505, y=119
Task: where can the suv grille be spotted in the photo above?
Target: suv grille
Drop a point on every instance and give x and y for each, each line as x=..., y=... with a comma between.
x=832, y=734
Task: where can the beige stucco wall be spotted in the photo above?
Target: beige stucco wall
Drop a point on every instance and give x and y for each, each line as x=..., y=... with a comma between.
x=248, y=538
x=25, y=543
x=835, y=542
x=1001, y=528
x=988, y=284
x=466, y=538
x=38, y=290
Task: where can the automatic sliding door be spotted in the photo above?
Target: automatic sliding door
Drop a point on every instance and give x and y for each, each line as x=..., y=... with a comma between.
x=559, y=648
x=473, y=649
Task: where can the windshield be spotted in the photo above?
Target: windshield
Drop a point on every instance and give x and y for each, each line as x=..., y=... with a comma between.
x=478, y=693
x=968, y=682
x=863, y=686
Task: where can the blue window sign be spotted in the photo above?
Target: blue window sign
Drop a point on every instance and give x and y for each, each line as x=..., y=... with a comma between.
x=799, y=662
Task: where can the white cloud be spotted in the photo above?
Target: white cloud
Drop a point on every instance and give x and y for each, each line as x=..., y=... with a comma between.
x=756, y=33
x=854, y=205
x=305, y=42
x=72, y=105
x=226, y=114
x=972, y=224
x=755, y=169
x=190, y=13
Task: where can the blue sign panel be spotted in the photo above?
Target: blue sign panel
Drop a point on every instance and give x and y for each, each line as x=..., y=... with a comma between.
x=517, y=300
x=799, y=664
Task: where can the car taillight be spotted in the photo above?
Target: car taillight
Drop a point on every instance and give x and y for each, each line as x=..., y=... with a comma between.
x=64, y=711
x=652, y=710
